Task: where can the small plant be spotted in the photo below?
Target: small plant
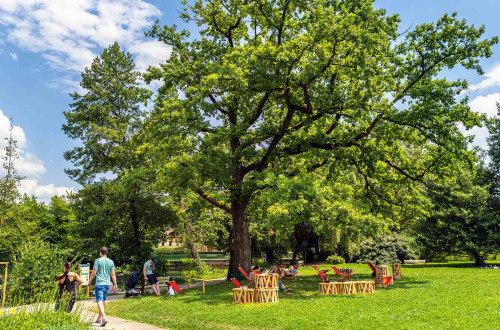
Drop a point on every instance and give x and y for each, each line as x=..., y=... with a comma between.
x=335, y=259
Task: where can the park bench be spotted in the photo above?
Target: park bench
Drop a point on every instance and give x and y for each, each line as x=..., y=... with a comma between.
x=410, y=262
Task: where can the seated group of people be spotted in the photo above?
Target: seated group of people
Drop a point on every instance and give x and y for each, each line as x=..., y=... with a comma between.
x=281, y=271
x=486, y=266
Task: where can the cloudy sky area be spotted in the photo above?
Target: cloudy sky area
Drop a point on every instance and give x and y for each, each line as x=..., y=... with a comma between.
x=45, y=44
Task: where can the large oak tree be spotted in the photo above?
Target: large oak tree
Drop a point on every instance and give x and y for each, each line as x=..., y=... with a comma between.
x=288, y=86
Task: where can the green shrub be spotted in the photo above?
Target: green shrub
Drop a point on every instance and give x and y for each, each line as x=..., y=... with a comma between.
x=34, y=271
x=41, y=315
x=41, y=319
x=176, y=250
x=162, y=266
x=387, y=249
x=334, y=259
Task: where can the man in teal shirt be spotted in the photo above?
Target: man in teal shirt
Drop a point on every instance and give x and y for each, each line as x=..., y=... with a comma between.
x=104, y=268
x=148, y=269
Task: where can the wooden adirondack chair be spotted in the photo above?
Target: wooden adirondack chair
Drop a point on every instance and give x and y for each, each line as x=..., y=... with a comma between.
x=319, y=270
x=344, y=276
x=246, y=275
x=374, y=270
x=175, y=287
x=235, y=281
x=323, y=277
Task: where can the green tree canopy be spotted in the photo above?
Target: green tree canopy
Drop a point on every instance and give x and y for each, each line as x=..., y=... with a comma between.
x=116, y=208
x=287, y=86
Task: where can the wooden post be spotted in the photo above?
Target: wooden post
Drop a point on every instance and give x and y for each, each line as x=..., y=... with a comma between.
x=203, y=286
x=6, y=264
x=189, y=281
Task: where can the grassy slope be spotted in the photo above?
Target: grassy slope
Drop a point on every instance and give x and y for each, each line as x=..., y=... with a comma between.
x=443, y=296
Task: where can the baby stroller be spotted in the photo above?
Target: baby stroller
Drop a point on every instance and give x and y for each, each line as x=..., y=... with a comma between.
x=130, y=290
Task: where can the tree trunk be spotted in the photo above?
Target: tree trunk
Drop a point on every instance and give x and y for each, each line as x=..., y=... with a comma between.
x=135, y=226
x=240, y=253
x=478, y=259
x=190, y=243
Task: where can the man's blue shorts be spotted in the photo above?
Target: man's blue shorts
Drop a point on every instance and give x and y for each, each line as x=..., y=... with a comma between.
x=101, y=292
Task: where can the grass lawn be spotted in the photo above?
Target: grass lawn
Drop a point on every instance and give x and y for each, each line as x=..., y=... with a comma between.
x=442, y=296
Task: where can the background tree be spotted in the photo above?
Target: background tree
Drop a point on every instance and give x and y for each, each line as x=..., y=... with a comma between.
x=289, y=85
x=10, y=182
x=461, y=221
x=116, y=203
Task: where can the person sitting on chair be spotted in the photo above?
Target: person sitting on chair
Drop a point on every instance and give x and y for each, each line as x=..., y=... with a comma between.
x=252, y=274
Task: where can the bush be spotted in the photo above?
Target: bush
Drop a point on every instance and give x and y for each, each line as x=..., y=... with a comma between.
x=34, y=271
x=41, y=315
x=387, y=249
x=176, y=250
x=334, y=259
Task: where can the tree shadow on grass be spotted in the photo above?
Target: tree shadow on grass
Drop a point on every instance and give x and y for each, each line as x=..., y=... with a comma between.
x=442, y=264
x=304, y=289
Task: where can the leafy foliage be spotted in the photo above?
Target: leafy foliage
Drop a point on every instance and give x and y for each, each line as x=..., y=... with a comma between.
x=286, y=87
x=388, y=249
x=334, y=259
x=34, y=271
x=461, y=221
x=120, y=209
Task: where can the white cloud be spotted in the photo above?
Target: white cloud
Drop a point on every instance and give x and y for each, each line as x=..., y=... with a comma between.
x=493, y=79
x=27, y=165
x=42, y=192
x=14, y=56
x=69, y=33
x=486, y=104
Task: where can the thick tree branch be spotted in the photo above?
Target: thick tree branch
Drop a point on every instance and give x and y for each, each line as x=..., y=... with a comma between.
x=406, y=174
x=369, y=187
x=213, y=201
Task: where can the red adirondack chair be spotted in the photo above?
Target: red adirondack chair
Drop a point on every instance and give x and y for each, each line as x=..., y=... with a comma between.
x=246, y=275
x=319, y=270
x=387, y=280
x=235, y=281
x=175, y=287
x=341, y=274
x=323, y=277
x=374, y=270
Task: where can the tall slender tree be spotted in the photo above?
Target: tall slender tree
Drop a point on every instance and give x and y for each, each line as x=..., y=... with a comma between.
x=106, y=119
x=11, y=181
x=289, y=86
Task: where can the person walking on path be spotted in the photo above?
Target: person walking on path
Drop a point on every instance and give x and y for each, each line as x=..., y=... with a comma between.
x=104, y=268
x=68, y=283
x=148, y=271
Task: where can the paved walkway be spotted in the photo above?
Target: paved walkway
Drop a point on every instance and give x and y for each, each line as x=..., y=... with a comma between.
x=122, y=324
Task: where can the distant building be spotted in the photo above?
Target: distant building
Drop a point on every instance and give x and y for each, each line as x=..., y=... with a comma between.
x=175, y=241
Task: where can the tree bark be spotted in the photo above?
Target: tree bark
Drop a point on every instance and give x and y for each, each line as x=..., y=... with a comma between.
x=190, y=243
x=478, y=259
x=240, y=254
x=135, y=226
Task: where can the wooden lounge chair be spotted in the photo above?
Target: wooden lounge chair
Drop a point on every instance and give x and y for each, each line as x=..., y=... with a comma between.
x=344, y=276
x=246, y=275
x=323, y=277
x=374, y=270
x=235, y=281
x=175, y=287
x=386, y=281
x=319, y=270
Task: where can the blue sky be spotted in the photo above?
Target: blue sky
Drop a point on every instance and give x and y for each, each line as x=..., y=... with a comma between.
x=45, y=43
